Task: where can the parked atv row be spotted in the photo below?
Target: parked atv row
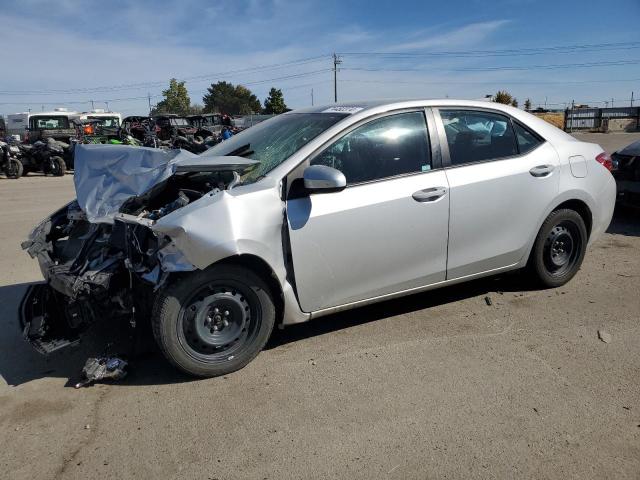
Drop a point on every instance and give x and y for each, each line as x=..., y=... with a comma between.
x=170, y=131
x=47, y=157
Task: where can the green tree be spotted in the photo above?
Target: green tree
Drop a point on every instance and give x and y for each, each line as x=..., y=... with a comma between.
x=275, y=102
x=503, y=97
x=514, y=102
x=176, y=99
x=527, y=105
x=224, y=97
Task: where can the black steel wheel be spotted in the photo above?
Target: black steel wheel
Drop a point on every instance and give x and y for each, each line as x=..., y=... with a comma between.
x=214, y=321
x=559, y=248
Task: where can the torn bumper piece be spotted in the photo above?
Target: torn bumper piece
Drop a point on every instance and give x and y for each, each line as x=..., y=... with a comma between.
x=44, y=323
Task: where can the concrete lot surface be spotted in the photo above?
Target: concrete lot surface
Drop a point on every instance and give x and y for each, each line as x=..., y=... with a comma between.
x=436, y=385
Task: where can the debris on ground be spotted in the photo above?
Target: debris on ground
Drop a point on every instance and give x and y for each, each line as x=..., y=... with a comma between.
x=487, y=300
x=102, y=368
x=604, y=336
x=312, y=361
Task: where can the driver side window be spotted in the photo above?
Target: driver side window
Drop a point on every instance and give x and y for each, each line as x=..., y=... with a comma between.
x=386, y=147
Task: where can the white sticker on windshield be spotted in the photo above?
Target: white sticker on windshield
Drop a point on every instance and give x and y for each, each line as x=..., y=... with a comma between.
x=342, y=110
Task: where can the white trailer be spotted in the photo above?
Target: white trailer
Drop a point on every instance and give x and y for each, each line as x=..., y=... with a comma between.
x=17, y=124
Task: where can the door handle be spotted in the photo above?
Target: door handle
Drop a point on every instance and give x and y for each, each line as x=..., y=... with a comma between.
x=542, y=170
x=429, y=194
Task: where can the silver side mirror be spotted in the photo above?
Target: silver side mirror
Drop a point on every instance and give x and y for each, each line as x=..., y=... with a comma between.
x=319, y=178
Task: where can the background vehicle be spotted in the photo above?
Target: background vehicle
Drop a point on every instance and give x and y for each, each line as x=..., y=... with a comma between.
x=170, y=126
x=208, y=124
x=309, y=213
x=10, y=163
x=102, y=123
x=46, y=156
x=57, y=125
x=137, y=127
x=625, y=166
x=18, y=124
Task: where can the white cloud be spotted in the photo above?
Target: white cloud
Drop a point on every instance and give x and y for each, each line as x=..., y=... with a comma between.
x=466, y=36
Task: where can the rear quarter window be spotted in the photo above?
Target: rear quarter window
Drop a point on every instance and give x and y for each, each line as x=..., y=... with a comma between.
x=527, y=140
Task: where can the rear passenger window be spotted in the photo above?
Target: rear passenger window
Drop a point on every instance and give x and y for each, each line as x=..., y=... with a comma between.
x=476, y=136
x=527, y=140
x=385, y=147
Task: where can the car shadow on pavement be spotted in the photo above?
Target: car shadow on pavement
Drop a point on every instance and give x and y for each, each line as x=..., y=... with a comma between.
x=509, y=282
x=20, y=363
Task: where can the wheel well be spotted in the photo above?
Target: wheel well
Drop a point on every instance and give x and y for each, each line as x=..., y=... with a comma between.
x=261, y=268
x=582, y=209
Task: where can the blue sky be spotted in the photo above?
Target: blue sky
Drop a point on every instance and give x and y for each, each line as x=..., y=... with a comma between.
x=68, y=52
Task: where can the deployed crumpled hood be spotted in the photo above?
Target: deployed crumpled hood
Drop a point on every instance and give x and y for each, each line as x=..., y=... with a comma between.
x=107, y=175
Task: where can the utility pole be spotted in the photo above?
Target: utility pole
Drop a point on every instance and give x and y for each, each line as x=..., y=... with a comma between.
x=336, y=62
x=107, y=104
x=312, y=97
x=612, y=102
x=92, y=108
x=573, y=104
x=149, y=99
x=631, y=99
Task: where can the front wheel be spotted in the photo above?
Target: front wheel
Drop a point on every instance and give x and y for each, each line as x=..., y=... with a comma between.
x=215, y=321
x=13, y=168
x=559, y=248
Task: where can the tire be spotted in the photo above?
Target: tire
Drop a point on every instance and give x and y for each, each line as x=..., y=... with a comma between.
x=14, y=168
x=559, y=249
x=189, y=318
x=58, y=166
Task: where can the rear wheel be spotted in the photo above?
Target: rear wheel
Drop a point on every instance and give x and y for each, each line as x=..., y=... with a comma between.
x=214, y=321
x=14, y=168
x=559, y=248
x=57, y=166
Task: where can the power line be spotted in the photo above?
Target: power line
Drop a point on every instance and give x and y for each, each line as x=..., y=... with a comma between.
x=506, y=52
x=161, y=83
x=489, y=82
x=503, y=68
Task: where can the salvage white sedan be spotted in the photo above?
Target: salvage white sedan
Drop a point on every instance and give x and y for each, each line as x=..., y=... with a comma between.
x=309, y=213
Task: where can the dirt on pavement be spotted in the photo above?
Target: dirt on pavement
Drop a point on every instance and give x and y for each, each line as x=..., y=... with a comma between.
x=435, y=385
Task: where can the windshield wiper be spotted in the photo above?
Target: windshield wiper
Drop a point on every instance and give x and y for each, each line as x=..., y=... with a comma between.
x=242, y=151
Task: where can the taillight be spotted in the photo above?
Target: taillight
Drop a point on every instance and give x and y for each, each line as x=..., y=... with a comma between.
x=605, y=160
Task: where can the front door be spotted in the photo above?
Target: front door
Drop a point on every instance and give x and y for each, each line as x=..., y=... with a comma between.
x=386, y=231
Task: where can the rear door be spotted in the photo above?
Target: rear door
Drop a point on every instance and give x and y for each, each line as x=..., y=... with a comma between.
x=502, y=177
x=386, y=231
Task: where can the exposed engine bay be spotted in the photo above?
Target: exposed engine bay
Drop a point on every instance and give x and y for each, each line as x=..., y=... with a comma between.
x=110, y=268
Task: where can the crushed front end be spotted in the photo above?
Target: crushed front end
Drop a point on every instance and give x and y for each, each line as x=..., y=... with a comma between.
x=100, y=256
x=91, y=272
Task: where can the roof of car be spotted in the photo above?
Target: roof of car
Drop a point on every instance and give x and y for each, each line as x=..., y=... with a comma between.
x=358, y=106
x=366, y=108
